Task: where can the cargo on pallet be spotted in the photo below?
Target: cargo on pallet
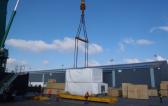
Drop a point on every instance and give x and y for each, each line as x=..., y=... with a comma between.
x=56, y=85
x=81, y=81
x=84, y=75
x=164, y=88
x=114, y=92
x=125, y=89
x=135, y=91
x=81, y=88
x=54, y=88
x=152, y=92
x=49, y=91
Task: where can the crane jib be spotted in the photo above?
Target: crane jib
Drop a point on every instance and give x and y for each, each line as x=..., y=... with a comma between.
x=4, y=37
x=7, y=29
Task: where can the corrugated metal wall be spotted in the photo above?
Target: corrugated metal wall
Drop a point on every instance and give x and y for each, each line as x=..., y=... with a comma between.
x=59, y=77
x=132, y=75
x=140, y=76
x=107, y=78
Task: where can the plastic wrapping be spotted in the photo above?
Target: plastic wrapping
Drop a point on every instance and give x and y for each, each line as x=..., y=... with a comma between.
x=84, y=75
x=82, y=88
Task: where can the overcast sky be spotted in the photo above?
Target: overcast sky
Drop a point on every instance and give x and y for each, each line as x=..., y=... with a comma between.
x=126, y=31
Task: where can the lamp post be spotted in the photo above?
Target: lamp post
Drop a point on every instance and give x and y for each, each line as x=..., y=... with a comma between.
x=62, y=66
x=111, y=61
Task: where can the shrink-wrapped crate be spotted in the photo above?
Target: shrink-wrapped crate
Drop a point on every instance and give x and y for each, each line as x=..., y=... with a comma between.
x=82, y=88
x=84, y=75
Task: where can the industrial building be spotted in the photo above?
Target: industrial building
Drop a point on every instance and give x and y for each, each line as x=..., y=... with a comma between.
x=150, y=73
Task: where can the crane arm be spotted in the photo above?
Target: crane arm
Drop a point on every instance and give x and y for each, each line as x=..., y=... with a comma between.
x=2, y=43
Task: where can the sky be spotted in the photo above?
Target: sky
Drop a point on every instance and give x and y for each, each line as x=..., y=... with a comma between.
x=119, y=32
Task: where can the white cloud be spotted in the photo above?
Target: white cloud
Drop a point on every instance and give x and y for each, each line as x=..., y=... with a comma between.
x=132, y=60
x=67, y=44
x=93, y=63
x=45, y=62
x=130, y=41
x=11, y=61
x=159, y=58
x=137, y=42
x=155, y=58
x=121, y=46
x=144, y=42
x=163, y=28
x=149, y=60
x=95, y=48
x=14, y=64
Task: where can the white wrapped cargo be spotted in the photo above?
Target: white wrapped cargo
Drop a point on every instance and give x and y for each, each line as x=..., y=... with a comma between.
x=81, y=88
x=84, y=75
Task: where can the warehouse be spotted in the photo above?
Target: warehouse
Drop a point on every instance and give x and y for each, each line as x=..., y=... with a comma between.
x=150, y=73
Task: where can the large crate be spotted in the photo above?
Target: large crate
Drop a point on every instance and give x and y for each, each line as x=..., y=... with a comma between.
x=142, y=91
x=163, y=86
x=153, y=92
x=164, y=93
x=114, y=92
x=135, y=91
x=51, y=81
x=82, y=88
x=85, y=75
x=125, y=89
x=60, y=86
x=48, y=91
x=132, y=92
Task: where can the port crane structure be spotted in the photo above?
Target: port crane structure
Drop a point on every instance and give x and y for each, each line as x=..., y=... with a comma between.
x=10, y=82
x=4, y=32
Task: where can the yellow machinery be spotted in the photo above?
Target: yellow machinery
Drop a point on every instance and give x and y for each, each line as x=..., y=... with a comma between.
x=92, y=99
x=40, y=98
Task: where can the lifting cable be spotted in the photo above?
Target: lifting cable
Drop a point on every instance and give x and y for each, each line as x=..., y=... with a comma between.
x=81, y=27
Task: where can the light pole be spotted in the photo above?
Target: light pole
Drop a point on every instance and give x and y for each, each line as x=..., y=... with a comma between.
x=111, y=61
x=62, y=66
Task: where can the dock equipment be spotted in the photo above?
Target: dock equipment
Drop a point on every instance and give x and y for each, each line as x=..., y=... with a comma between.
x=83, y=39
x=10, y=83
x=91, y=99
x=4, y=32
x=3, y=51
x=3, y=36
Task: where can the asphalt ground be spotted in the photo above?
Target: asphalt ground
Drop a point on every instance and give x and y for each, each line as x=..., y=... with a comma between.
x=121, y=102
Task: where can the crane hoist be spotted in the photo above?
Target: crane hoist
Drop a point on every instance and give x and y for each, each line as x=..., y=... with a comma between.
x=83, y=39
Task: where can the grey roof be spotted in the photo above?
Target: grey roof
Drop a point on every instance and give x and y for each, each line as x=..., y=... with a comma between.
x=153, y=64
